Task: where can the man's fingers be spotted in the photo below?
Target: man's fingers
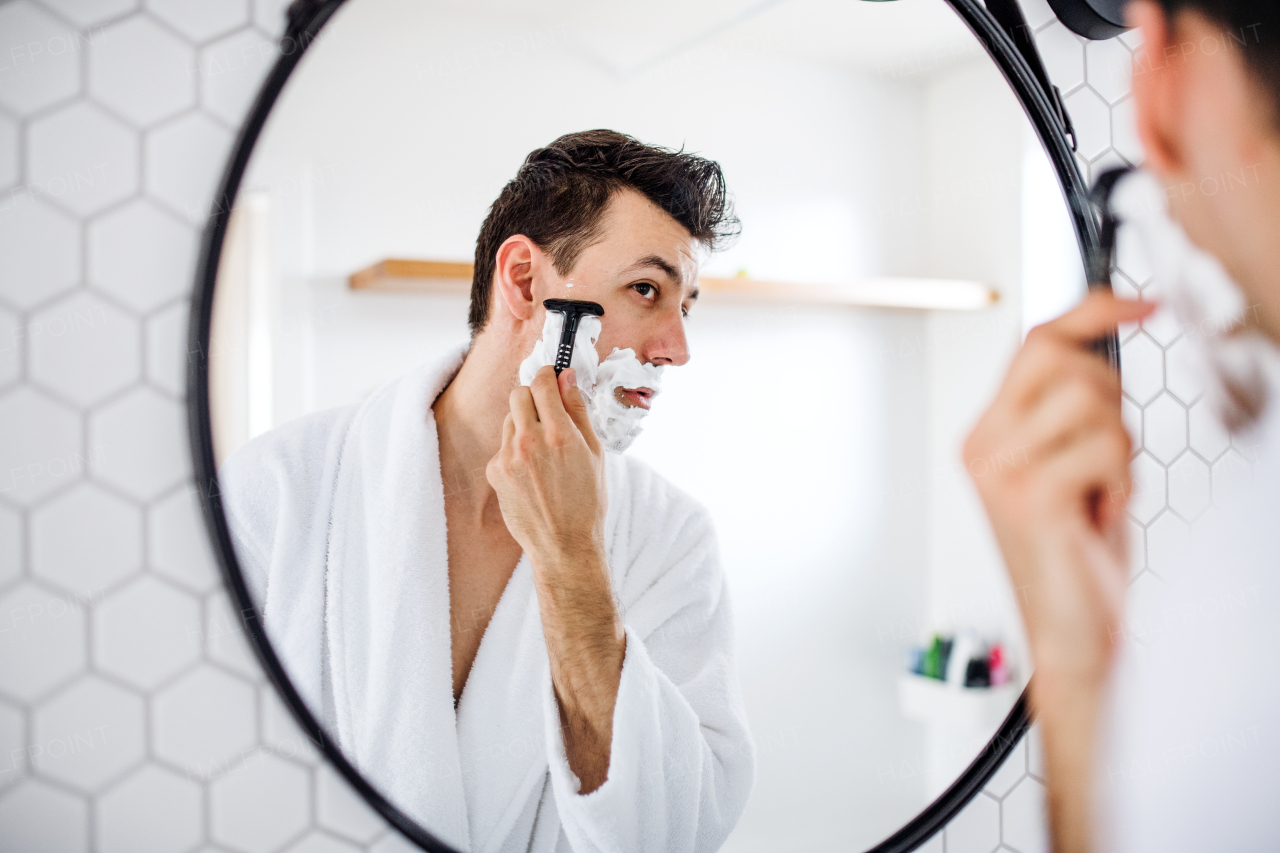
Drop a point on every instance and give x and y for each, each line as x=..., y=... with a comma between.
x=1046, y=361
x=1097, y=467
x=1099, y=313
x=576, y=406
x=1077, y=401
x=546, y=396
x=1071, y=409
x=523, y=410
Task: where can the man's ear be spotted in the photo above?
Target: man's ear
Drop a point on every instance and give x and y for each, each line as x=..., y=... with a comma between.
x=1158, y=74
x=513, y=278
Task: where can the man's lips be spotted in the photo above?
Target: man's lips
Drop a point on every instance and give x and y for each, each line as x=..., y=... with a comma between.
x=634, y=397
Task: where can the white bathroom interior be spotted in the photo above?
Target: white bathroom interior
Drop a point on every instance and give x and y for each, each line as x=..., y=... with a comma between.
x=824, y=437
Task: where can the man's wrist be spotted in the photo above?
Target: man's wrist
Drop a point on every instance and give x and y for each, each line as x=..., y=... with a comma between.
x=567, y=572
x=1068, y=711
x=1059, y=692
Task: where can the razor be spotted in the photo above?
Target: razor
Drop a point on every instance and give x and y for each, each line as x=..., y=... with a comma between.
x=1102, y=257
x=572, y=309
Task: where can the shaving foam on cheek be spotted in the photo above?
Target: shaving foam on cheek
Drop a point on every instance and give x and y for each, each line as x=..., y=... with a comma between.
x=615, y=424
x=585, y=361
x=1239, y=367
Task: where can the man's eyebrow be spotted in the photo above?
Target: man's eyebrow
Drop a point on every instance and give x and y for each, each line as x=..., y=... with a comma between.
x=658, y=262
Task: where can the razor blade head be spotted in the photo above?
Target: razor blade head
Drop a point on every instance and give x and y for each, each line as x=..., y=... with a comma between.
x=571, y=307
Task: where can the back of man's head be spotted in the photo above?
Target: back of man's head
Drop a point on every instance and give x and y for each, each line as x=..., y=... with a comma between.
x=559, y=197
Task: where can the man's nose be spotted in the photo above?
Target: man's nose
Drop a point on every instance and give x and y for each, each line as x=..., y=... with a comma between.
x=668, y=344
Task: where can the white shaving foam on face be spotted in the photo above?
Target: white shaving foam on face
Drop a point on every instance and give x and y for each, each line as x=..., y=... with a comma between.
x=616, y=424
x=1239, y=367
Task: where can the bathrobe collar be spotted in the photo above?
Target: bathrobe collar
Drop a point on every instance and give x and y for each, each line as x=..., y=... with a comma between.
x=388, y=638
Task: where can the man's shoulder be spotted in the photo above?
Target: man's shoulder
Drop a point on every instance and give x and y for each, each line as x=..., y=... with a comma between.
x=658, y=524
x=651, y=496
x=664, y=552
x=292, y=454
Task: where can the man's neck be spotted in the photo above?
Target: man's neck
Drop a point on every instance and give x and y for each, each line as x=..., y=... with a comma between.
x=469, y=415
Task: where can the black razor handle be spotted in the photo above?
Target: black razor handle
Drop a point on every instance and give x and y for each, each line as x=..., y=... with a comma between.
x=1102, y=260
x=572, y=309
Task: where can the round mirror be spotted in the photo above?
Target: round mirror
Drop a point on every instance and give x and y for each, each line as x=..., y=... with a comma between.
x=816, y=231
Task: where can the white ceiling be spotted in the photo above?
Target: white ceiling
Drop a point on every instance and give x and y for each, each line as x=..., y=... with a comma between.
x=899, y=37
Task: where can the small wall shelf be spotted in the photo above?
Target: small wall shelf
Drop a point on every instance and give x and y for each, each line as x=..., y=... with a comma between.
x=928, y=700
x=410, y=276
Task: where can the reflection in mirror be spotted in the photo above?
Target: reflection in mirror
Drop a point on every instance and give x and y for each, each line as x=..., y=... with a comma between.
x=792, y=629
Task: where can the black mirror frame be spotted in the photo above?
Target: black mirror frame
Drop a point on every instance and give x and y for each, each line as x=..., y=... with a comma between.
x=1008, y=43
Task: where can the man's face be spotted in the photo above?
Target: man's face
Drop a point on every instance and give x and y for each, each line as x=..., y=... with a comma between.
x=644, y=272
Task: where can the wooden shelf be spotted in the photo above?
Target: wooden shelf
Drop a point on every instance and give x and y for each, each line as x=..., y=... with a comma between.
x=414, y=276
x=408, y=276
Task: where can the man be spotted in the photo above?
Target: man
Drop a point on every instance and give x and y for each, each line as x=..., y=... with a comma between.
x=1167, y=741
x=525, y=642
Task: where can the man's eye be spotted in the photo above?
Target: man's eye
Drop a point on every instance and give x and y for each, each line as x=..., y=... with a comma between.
x=645, y=289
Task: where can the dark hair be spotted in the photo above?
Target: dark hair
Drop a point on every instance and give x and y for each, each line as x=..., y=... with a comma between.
x=1253, y=26
x=559, y=197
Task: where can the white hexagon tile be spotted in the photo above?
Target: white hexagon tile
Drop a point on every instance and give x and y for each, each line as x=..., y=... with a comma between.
x=131, y=712
x=133, y=716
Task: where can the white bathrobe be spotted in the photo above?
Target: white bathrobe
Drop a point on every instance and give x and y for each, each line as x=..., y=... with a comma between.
x=1188, y=759
x=339, y=525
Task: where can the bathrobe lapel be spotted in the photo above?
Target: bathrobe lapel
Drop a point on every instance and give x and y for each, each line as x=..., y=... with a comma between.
x=387, y=606
x=500, y=720
x=389, y=640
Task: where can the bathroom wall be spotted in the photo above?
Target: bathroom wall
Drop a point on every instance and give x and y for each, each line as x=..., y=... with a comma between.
x=367, y=160
x=131, y=716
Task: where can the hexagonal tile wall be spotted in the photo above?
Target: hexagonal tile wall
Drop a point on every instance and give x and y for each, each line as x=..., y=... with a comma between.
x=86, y=540
x=166, y=337
x=42, y=451
x=88, y=734
x=142, y=70
x=152, y=809
x=38, y=816
x=45, y=60
x=39, y=250
x=101, y=546
x=205, y=722
x=13, y=740
x=11, y=334
x=91, y=14
x=184, y=162
x=261, y=804
x=11, y=541
x=82, y=158
x=141, y=254
x=201, y=20
x=143, y=449
x=147, y=632
x=83, y=348
x=318, y=842
x=8, y=152
x=46, y=642
x=231, y=70
x=178, y=547
x=341, y=812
